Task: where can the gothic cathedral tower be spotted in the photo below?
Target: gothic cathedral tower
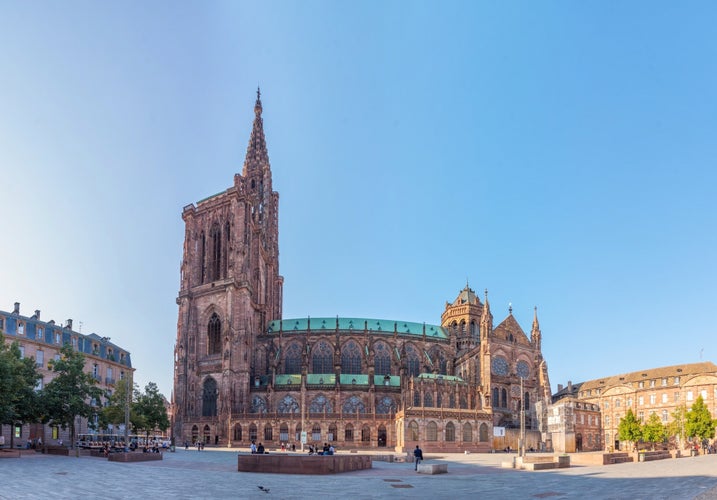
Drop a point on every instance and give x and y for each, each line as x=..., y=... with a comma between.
x=230, y=289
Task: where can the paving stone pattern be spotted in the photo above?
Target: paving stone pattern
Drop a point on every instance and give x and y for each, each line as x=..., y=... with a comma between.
x=212, y=474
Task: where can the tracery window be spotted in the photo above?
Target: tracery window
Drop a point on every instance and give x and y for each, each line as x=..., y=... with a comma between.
x=496, y=398
x=316, y=432
x=450, y=432
x=526, y=401
x=320, y=404
x=350, y=358
x=214, y=335
x=428, y=400
x=467, y=433
x=439, y=360
x=203, y=257
x=439, y=400
x=385, y=405
x=332, y=433
x=292, y=359
x=504, y=398
x=451, y=400
x=297, y=433
x=322, y=359
x=416, y=398
x=288, y=405
x=464, y=402
x=413, y=363
x=283, y=433
x=382, y=359
x=209, y=398
x=252, y=432
x=260, y=362
x=354, y=404
x=258, y=405
x=431, y=431
x=268, y=432
x=413, y=431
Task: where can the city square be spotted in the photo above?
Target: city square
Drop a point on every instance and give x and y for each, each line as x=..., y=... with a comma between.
x=211, y=473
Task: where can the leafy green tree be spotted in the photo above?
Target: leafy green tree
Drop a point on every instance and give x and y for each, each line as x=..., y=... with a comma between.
x=676, y=427
x=699, y=422
x=653, y=431
x=19, y=402
x=152, y=410
x=71, y=393
x=114, y=412
x=629, y=428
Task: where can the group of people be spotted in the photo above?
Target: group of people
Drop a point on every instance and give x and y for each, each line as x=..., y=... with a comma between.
x=256, y=450
x=328, y=449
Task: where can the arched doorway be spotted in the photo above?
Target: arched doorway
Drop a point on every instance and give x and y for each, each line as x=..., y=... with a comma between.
x=207, y=434
x=195, y=434
x=578, y=442
x=382, y=436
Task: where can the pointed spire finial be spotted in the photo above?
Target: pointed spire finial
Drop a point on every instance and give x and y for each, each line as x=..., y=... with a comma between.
x=257, y=106
x=510, y=308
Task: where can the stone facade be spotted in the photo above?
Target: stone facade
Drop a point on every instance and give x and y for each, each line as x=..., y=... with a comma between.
x=244, y=373
x=42, y=340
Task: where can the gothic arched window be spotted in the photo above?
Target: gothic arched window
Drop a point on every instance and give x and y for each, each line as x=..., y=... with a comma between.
x=320, y=405
x=496, y=398
x=416, y=398
x=288, y=405
x=439, y=400
x=431, y=431
x=292, y=359
x=385, y=405
x=214, y=335
x=483, y=433
x=526, y=401
x=450, y=432
x=237, y=432
x=203, y=257
x=413, y=431
x=413, y=363
x=382, y=359
x=322, y=359
x=428, y=400
x=258, y=405
x=215, y=256
x=350, y=358
x=225, y=254
x=209, y=398
x=354, y=404
x=467, y=433
x=349, y=432
x=504, y=398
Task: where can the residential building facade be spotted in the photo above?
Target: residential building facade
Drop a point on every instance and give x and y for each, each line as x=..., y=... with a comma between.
x=108, y=363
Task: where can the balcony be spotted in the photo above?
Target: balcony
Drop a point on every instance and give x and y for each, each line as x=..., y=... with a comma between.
x=109, y=381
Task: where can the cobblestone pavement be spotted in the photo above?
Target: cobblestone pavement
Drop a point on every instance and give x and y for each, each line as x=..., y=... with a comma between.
x=212, y=474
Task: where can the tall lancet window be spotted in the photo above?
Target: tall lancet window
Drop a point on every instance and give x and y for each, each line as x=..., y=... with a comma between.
x=214, y=335
x=215, y=257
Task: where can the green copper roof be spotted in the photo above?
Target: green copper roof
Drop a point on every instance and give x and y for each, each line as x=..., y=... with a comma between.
x=449, y=378
x=287, y=380
x=393, y=380
x=320, y=378
x=353, y=379
x=210, y=197
x=385, y=326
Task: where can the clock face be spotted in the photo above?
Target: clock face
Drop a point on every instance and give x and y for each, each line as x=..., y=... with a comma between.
x=523, y=369
x=499, y=366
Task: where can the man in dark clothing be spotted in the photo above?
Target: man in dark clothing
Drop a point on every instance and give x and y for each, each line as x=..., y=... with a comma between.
x=417, y=456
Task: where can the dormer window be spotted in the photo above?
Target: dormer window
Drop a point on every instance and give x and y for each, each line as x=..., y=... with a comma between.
x=21, y=328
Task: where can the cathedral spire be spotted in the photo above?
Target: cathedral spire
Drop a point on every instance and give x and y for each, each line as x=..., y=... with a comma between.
x=257, y=156
x=535, y=335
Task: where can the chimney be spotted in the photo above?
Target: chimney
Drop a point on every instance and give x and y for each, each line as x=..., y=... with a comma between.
x=17, y=308
x=69, y=324
x=570, y=386
x=560, y=387
x=37, y=314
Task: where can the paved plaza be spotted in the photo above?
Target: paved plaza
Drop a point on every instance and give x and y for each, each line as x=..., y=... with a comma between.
x=212, y=474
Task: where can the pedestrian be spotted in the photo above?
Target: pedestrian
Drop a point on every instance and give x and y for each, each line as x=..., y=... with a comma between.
x=418, y=456
x=260, y=449
x=252, y=448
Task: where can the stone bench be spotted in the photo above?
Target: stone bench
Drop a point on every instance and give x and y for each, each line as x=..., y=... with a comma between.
x=432, y=468
x=279, y=463
x=539, y=465
x=648, y=456
x=134, y=457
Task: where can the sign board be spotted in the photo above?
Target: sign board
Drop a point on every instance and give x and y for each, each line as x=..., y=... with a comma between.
x=303, y=437
x=499, y=431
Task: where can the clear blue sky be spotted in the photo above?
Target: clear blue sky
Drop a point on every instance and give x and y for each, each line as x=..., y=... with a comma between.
x=560, y=154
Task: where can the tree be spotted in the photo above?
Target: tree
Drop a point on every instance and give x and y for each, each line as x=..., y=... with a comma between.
x=20, y=402
x=114, y=412
x=72, y=393
x=699, y=422
x=152, y=410
x=677, y=426
x=629, y=428
x=653, y=431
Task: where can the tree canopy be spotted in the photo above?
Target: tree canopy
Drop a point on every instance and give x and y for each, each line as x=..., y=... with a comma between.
x=72, y=393
x=699, y=422
x=653, y=431
x=629, y=428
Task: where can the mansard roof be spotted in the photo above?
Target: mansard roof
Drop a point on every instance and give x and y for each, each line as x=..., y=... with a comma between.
x=510, y=329
x=705, y=367
x=356, y=325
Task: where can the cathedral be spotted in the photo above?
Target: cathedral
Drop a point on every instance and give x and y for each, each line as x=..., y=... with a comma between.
x=243, y=373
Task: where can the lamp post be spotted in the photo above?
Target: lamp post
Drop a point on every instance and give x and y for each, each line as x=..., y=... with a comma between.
x=128, y=400
x=521, y=445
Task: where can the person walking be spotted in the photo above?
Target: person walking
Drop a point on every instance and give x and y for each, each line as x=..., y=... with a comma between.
x=417, y=456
